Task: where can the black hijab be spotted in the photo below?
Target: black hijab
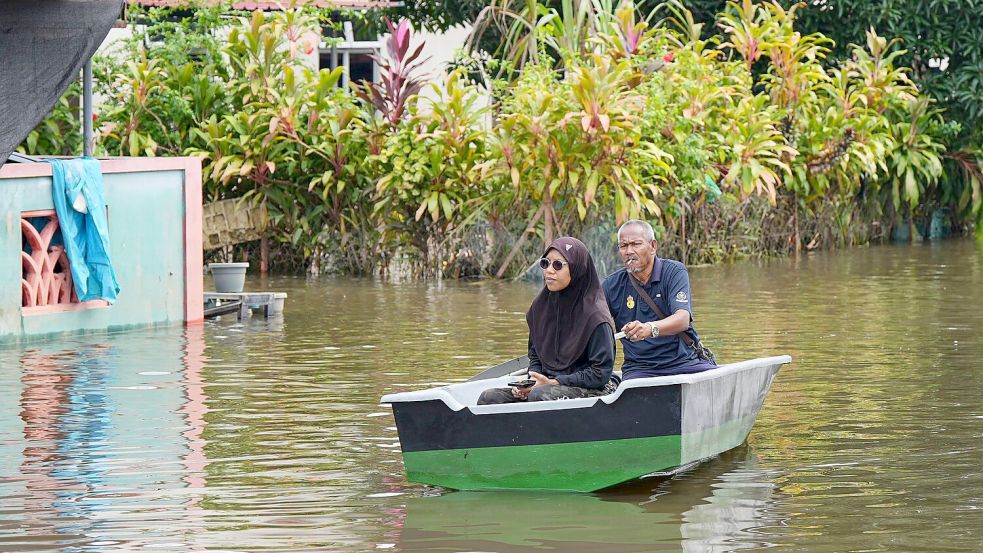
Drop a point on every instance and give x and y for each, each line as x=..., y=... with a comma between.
x=561, y=323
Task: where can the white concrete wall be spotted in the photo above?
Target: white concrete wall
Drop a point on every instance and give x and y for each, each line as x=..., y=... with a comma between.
x=441, y=48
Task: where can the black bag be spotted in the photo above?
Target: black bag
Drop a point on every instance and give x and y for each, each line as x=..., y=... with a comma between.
x=702, y=351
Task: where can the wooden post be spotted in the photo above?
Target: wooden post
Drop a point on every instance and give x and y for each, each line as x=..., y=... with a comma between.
x=264, y=255
x=685, y=249
x=798, y=237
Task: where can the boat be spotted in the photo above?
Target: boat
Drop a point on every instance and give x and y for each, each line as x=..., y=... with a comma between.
x=648, y=426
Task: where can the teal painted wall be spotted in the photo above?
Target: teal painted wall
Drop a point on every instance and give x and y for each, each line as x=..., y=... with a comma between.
x=146, y=230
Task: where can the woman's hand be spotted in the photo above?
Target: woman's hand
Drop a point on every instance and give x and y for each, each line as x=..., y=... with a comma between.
x=541, y=379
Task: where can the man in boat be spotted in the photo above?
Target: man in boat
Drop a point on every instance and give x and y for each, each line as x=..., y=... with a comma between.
x=659, y=341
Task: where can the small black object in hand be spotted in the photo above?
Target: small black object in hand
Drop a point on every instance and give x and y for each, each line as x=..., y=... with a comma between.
x=523, y=383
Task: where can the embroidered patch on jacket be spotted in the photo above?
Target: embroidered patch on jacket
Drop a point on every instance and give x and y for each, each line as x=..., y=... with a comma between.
x=681, y=297
x=630, y=303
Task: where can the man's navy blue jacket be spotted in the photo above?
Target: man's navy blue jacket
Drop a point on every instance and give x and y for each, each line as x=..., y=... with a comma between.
x=669, y=288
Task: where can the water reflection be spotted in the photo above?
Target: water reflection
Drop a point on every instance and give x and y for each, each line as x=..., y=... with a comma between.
x=66, y=434
x=712, y=507
x=104, y=430
x=504, y=522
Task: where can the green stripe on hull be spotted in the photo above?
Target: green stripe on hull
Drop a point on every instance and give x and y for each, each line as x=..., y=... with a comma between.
x=578, y=466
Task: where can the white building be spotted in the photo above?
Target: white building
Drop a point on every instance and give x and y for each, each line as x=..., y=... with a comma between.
x=354, y=51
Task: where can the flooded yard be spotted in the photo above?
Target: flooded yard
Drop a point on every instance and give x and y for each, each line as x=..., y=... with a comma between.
x=268, y=435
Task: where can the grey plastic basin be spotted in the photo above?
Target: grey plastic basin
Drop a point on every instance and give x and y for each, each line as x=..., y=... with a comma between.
x=229, y=277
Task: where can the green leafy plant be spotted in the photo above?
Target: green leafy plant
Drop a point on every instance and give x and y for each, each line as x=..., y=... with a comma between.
x=759, y=148
x=434, y=169
x=133, y=126
x=569, y=146
x=916, y=162
x=164, y=81
x=60, y=132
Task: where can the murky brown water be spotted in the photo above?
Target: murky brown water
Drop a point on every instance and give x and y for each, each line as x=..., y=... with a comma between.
x=269, y=436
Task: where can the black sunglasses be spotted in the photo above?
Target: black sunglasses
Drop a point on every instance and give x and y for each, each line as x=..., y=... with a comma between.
x=557, y=264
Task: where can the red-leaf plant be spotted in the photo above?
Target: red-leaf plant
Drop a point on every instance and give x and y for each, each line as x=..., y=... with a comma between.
x=398, y=73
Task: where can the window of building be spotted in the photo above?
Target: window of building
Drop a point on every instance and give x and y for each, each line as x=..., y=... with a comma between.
x=46, y=275
x=354, y=55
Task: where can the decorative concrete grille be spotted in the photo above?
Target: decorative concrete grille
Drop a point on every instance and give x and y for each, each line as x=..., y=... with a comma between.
x=47, y=276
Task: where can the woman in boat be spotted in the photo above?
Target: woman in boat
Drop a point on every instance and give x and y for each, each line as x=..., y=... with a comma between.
x=571, y=335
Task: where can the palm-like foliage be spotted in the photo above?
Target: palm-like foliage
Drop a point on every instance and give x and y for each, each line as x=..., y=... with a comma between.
x=759, y=148
x=518, y=23
x=883, y=82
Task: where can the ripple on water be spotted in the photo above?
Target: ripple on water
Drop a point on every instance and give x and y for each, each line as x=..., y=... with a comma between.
x=269, y=435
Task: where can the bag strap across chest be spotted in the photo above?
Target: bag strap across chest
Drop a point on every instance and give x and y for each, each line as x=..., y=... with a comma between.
x=687, y=339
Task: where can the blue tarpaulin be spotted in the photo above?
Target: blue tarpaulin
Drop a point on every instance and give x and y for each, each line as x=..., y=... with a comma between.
x=76, y=189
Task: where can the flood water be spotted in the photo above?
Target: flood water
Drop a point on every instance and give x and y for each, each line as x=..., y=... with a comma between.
x=268, y=435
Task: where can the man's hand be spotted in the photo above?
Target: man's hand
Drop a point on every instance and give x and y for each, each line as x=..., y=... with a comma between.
x=637, y=331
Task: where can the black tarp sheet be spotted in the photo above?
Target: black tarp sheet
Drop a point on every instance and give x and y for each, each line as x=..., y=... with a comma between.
x=43, y=46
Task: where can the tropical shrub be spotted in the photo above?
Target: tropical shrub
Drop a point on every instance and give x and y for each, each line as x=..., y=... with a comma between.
x=942, y=55
x=399, y=72
x=162, y=83
x=930, y=32
x=571, y=145
x=433, y=168
x=753, y=141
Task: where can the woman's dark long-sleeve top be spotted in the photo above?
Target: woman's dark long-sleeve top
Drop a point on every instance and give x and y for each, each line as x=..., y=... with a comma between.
x=591, y=370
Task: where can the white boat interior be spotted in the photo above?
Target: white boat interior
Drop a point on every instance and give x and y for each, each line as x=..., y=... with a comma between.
x=739, y=382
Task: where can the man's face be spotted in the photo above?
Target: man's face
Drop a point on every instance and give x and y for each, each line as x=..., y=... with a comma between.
x=637, y=252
